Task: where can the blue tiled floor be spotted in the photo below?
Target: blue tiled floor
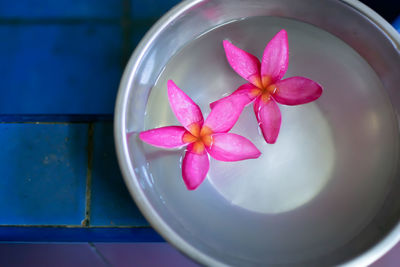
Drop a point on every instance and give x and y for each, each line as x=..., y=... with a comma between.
x=151, y=8
x=60, y=9
x=60, y=69
x=139, y=30
x=43, y=173
x=396, y=24
x=111, y=203
x=68, y=57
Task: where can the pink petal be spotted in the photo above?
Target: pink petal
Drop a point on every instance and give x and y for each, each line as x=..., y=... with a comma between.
x=275, y=59
x=165, y=137
x=223, y=116
x=297, y=91
x=226, y=111
x=232, y=147
x=244, y=95
x=245, y=64
x=186, y=111
x=269, y=119
x=194, y=168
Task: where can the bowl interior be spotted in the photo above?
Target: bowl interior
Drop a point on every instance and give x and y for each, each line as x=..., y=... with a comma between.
x=326, y=191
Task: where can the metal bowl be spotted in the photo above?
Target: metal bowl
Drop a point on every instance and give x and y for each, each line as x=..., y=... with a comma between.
x=351, y=216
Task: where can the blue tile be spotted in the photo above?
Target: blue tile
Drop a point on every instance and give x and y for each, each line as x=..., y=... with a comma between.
x=396, y=23
x=138, y=31
x=43, y=173
x=60, y=69
x=151, y=8
x=111, y=204
x=60, y=8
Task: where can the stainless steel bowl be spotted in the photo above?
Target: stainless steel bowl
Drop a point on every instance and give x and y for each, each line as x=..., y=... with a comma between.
x=353, y=217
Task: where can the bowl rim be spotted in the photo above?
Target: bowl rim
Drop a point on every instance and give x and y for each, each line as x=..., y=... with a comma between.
x=121, y=142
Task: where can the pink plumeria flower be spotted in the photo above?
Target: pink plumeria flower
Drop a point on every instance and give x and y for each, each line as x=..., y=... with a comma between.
x=201, y=137
x=266, y=86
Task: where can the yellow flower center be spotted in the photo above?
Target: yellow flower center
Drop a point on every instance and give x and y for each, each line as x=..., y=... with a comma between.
x=265, y=88
x=200, y=137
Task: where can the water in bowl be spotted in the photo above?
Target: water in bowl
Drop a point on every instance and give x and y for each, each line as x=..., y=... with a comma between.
x=322, y=181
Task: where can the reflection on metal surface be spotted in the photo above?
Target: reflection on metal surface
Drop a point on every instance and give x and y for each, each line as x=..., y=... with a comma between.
x=289, y=174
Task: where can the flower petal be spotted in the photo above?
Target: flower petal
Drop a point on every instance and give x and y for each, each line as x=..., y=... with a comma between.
x=223, y=116
x=269, y=118
x=194, y=168
x=244, y=95
x=226, y=111
x=245, y=64
x=275, y=58
x=297, y=91
x=186, y=111
x=165, y=137
x=232, y=147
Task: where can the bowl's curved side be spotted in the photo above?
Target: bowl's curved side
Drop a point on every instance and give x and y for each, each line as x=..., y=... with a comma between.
x=120, y=131
x=393, y=237
x=385, y=26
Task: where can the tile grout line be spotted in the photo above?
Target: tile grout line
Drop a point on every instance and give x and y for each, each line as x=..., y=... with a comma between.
x=64, y=21
x=86, y=221
x=75, y=21
x=72, y=226
x=55, y=119
x=99, y=254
